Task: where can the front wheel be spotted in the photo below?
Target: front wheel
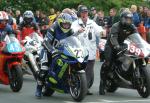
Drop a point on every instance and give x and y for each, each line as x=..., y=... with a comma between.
x=47, y=91
x=111, y=86
x=17, y=78
x=78, y=86
x=144, y=85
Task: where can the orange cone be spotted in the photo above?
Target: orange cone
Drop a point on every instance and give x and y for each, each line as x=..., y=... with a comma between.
x=97, y=54
x=142, y=31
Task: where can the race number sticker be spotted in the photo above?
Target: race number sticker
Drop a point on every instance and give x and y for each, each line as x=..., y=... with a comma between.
x=14, y=47
x=78, y=53
x=133, y=49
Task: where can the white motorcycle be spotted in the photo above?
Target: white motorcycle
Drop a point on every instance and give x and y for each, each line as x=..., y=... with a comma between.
x=33, y=45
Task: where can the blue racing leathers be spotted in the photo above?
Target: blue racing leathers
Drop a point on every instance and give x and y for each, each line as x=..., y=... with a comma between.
x=51, y=40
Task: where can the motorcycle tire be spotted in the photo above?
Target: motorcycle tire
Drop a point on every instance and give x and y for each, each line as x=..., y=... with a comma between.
x=144, y=89
x=47, y=91
x=111, y=87
x=17, y=78
x=78, y=86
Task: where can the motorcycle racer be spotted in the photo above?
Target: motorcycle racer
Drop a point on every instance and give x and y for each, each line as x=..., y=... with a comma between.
x=60, y=29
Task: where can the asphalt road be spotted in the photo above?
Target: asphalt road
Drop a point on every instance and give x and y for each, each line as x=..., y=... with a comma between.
x=26, y=95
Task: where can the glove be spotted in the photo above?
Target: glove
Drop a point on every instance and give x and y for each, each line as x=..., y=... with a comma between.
x=121, y=47
x=55, y=52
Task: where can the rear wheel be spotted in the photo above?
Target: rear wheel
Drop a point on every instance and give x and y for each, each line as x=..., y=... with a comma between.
x=78, y=86
x=144, y=85
x=17, y=78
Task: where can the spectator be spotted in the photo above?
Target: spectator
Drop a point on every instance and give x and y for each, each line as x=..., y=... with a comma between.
x=136, y=19
x=93, y=13
x=113, y=17
x=58, y=13
x=145, y=10
x=147, y=25
x=43, y=17
x=10, y=13
x=52, y=16
x=87, y=31
x=19, y=17
x=37, y=16
x=141, y=13
x=100, y=18
x=43, y=23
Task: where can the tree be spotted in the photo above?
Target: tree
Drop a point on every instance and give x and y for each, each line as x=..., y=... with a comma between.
x=45, y=5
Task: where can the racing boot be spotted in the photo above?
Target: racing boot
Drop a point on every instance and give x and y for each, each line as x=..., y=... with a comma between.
x=40, y=80
x=102, y=87
x=38, y=92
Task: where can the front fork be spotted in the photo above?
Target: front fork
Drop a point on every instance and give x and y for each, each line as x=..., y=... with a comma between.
x=70, y=73
x=33, y=62
x=8, y=71
x=136, y=69
x=9, y=66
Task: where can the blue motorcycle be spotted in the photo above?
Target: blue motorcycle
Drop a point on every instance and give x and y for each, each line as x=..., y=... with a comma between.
x=68, y=70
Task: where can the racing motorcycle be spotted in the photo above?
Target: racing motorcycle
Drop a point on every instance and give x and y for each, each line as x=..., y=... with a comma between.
x=33, y=45
x=11, y=54
x=68, y=70
x=129, y=67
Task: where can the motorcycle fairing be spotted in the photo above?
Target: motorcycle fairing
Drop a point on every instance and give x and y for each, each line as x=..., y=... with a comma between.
x=138, y=46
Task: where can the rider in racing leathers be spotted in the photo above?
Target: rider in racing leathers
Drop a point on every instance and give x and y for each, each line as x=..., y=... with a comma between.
x=60, y=29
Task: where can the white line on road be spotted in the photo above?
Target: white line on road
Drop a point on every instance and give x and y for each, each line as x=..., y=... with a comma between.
x=111, y=101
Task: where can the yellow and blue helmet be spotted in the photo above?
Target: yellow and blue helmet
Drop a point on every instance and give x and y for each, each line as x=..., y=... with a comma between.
x=64, y=21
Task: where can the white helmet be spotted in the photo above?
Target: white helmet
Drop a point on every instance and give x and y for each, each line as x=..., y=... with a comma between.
x=3, y=15
x=28, y=14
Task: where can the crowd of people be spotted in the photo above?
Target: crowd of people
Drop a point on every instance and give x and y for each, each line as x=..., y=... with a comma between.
x=89, y=25
x=45, y=20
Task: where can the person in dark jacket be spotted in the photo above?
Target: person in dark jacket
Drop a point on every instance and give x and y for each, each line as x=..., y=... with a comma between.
x=113, y=17
x=118, y=33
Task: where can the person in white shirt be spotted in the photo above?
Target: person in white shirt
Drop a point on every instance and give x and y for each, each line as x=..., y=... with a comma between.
x=89, y=34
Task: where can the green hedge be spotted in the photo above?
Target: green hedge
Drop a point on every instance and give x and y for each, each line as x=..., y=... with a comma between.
x=45, y=5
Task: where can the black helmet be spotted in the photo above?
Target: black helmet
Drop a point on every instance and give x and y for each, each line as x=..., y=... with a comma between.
x=81, y=9
x=126, y=18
